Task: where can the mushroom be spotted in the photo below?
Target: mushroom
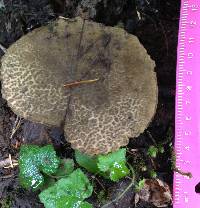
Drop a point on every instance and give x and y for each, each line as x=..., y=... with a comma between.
x=98, y=116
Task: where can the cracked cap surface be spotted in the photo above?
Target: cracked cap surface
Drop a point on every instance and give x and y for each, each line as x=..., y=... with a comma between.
x=101, y=116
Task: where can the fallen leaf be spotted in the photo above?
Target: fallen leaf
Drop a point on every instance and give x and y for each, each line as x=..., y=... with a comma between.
x=156, y=192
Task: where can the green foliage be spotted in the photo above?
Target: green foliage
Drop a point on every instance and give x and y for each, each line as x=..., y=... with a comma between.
x=61, y=185
x=87, y=162
x=66, y=167
x=34, y=161
x=140, y=185
x=112, y=165
x=70, y=202
x=153, y=174
x=102, y=196
x=161, y=149
x=68, y=192
x=48, y=181
x=6, y=202
x=152, y=151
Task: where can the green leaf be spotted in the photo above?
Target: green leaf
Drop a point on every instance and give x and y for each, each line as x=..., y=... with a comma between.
x=75, y=185
x=87, y=162
x=118, y=171
x=66, y=167
x=152, y=151
x=33, y=161
x=140, y=185
x=153, y=174
x=161, y=149
x=72, y=202
x=48, y=181
x=114, y=164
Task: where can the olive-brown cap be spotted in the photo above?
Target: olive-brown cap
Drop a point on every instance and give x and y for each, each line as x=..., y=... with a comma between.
x=100, y=116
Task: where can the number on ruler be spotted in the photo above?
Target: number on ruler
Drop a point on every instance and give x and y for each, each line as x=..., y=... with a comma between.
x=186, y=177
x=190, y=55
x=186, y=199
x=188, y=118
x=187, y=162
x=187, y=148
x=189, y=72
x=194, y=7
x=187, y=102
x=192, y=23
x=191, y=40
x=188, y=133
x=189, y=88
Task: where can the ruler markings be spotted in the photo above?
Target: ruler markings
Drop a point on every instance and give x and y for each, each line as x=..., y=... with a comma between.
x=186, y=67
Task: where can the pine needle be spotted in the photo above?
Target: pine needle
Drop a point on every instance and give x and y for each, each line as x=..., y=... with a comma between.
x=74, y=84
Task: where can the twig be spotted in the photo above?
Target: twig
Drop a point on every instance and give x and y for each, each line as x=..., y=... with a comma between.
x=16, y=126
x=183, y=173
x=4, y=163
x=153, y=163
x=94, y=177
x=73, y=84
x=64, y=18
x=151, y=137
x=6, y=176
x=124, y=192
x=132, y=151
x=3, y=48
x=8, y=162
x=175, y=169
x=16, y=145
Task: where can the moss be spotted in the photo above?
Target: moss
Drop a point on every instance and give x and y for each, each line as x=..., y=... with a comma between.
x=6, y=202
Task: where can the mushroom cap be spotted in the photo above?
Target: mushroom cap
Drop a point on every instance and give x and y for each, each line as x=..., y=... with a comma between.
x=99, y=117
x=103, y=116
x=33, y=72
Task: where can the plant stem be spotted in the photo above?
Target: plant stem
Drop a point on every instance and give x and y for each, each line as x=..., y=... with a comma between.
x=124, y=192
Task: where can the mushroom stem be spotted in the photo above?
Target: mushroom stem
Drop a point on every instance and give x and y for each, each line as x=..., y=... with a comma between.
x=73, y=84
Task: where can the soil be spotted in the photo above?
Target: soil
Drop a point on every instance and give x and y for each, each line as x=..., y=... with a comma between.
x=155, y=23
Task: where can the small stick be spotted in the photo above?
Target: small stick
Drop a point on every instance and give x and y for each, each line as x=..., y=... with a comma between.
x=94, y=177
x=153, y=163
x=151, y=137
x=3, y=48
x=16, y=126
x=73, y=84
x=8, y=162
x=124, y=192
x=11, y=163
x=188, y=174
x=16, y=145
x=64, y=18
x=6, y=176
x=4, y=163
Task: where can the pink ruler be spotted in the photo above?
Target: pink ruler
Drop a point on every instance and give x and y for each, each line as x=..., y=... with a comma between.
x=187, y=130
